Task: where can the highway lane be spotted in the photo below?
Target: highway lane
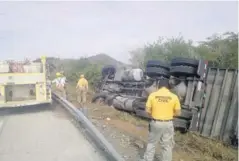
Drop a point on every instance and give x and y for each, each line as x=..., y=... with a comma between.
x=43, y=135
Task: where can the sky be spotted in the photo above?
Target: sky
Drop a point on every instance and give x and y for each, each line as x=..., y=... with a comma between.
x=75, y=29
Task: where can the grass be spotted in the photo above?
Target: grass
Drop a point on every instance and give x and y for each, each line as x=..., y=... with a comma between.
x=201, y=148
x=190, y=145
x=124, y=116
x=208, y=148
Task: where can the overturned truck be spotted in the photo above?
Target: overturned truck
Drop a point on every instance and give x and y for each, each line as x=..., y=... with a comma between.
x=128, y=89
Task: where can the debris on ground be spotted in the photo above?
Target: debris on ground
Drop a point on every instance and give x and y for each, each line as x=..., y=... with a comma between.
x=131, y=133
x=128, y=134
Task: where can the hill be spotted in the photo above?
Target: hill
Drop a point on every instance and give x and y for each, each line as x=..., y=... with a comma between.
x=90, y=66
x=104, y=59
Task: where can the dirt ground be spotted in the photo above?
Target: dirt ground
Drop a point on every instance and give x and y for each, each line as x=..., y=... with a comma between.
x=128, y=134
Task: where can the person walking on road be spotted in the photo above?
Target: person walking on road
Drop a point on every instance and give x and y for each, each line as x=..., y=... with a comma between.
x=162, y=106
x=82, y=88
x=60, y=82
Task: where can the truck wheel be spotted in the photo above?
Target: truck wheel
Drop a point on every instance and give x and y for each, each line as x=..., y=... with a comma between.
x=139, y=105
x=99, y=97
x=143, y=114
x=156, y=72
x=184, y=62
x=157, y=63
x=181, y=125
x=183, y=71
x=109, y=69
x=186, y=114
x=99, y=101
x=109, y=99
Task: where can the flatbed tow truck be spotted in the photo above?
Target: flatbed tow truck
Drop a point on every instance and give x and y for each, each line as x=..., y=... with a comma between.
x=38, y=125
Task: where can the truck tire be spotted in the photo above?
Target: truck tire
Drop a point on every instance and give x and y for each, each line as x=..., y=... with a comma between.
x=181, y=125
x=157, y=63
x=186, y=114
x=109, y=69
x=143, y=114
x=183, y=70
x=156, y=72
x=99, y=96
x=184, y=62
x=109, y=99
x=139, y=105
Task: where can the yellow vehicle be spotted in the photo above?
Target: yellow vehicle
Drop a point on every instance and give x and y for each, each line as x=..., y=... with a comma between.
x=25, y=87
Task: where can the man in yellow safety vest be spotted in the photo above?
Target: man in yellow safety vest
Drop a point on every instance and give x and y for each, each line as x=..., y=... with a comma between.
x=82, y=88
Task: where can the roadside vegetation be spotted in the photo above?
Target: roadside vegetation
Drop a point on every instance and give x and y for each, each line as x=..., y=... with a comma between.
x=189, y=146
x=220, y=50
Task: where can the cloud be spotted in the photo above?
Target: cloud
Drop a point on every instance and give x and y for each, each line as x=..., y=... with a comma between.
x=74, y=29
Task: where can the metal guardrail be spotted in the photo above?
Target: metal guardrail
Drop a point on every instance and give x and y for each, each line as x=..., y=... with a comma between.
x=91, y=129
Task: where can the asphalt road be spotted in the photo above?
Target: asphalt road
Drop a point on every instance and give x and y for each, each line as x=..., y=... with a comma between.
x=43, y=135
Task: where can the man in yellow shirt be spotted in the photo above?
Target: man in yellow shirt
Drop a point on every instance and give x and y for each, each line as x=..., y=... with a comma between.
x=82, y=88
x=162, y=106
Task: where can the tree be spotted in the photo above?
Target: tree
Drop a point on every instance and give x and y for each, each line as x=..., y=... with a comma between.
x=223, y=49
x=219, y=50
x=164, y=49
x=137, y=57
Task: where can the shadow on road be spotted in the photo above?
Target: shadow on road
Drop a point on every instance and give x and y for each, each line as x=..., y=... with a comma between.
x=26, y=109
